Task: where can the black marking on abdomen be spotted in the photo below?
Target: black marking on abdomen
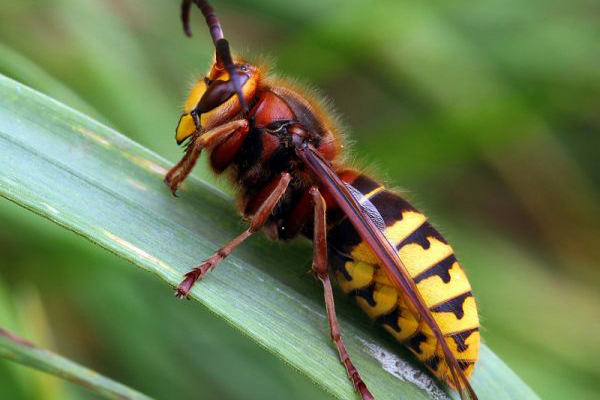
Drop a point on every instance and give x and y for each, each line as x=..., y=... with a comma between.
x=461, y=337
x=390, y=206
x=433, y=363
x=364, y=184
x=334, y=216
x=343, y=236
x=414, y=343
x=421, y=236
x=367, y=294
x=391, y=319
x=441, y=269
x=464, y=364
x=453, y=305
x=338, y=262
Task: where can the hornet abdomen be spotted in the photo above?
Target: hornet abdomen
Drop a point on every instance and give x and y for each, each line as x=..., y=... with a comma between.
x=430, y=262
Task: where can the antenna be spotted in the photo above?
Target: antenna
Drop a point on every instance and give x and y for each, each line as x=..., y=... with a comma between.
x=222, y=51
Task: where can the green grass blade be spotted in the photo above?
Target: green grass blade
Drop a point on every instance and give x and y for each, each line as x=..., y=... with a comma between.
x=101, y=185
x=19, y=350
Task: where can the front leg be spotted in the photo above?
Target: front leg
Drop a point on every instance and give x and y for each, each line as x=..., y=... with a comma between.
x=321, y=269
x=207, y=140
x=258, y=220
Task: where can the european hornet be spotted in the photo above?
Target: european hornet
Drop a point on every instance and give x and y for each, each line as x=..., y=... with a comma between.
x=282, y=149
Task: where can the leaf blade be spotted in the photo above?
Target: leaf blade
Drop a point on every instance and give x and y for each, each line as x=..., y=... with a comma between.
x=101, y=185
x=23, y=352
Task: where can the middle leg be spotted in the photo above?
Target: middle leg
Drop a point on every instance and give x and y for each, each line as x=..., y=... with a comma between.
x=258, y=220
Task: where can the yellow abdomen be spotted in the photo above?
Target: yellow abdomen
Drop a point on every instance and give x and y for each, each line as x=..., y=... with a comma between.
x=431, y=263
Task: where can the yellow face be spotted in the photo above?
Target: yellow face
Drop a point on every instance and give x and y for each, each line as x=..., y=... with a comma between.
x=214, y=99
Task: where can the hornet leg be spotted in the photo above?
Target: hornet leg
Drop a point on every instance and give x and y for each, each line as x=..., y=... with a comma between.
x=207, y=140
x=321, y=269
x=258, y=220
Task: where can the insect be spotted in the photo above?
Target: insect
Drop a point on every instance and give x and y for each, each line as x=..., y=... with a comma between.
x=283, y=151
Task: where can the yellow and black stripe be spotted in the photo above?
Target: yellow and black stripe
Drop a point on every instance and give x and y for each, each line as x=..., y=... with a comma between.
x=431, y=263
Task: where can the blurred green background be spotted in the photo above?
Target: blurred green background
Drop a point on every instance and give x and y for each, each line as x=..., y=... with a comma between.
x=486, y=112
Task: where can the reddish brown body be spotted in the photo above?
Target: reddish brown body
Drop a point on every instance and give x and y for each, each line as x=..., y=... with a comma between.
x=259, y=153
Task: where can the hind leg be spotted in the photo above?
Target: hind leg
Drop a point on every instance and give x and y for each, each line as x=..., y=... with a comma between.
x=321, y=269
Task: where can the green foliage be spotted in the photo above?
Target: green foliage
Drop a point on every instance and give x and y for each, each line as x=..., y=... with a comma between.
x=486, y=112
x=19, y=350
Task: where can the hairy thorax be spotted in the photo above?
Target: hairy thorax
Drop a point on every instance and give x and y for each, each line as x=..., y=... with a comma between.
x=255, y=159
